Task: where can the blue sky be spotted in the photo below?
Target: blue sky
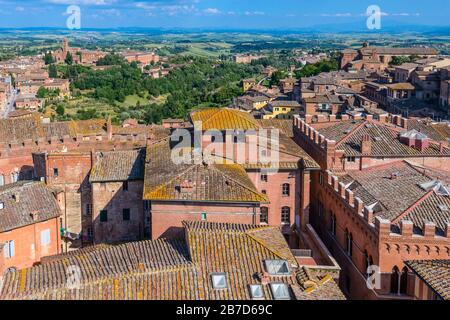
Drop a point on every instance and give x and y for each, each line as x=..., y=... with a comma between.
x=244, y=14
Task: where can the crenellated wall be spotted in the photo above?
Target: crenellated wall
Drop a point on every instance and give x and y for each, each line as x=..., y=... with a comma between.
x=388, y=245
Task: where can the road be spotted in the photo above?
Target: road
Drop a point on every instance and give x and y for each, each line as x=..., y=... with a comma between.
x=11, y=102
x=262, y=80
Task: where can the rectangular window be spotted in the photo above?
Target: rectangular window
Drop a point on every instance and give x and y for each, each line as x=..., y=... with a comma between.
x=45, y=237
x=286, y=190
x=55, y=172
x=264, y=177
x=126, y=214
x=204, y=216
x=125, y=186
x=351, y=159
x=90, y=233
x=8, y=249
x=104, y=216
x=88, y=209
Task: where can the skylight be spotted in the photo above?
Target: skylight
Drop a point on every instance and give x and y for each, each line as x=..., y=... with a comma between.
x=442, y=207
x=277, y=267
x=256, y=291
x=436, y=186
x=219, y=280
x=280, y=291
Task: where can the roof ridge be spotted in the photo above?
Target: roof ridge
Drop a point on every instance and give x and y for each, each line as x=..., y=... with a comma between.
x=412, y=207
x=215, y=167
x=351, y=133
x=167, y=182
x=271, y=249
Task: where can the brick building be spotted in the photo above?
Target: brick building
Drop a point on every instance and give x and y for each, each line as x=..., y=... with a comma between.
x=378, y=58
x=117, y=208
x=79, y=55
x=142, y=58
x=29, y=224
x=381, y=199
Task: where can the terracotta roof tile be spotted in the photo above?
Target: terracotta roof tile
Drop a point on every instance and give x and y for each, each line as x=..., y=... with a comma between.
x=118, y=166
x=435, y=273
x=22, y=199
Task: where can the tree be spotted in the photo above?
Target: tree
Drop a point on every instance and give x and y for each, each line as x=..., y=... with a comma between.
x=52, y=71
x=60, y=110
x=69, y=59
x=111, y=60
x=41, y=93
x=48, y=58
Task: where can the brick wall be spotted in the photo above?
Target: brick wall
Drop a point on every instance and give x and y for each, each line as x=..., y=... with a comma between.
x=111, y=196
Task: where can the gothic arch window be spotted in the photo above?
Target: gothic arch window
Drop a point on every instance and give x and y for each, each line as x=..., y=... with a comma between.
x=333, y=224
x=395, y=280
x=368, y=261
x=264, y=215
x=399, y=281
x=348, y=243
x=404, y=281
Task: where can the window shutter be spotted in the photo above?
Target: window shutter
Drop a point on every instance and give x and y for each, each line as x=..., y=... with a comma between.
x=11, y=249
x=6, y=250
x=45, y=237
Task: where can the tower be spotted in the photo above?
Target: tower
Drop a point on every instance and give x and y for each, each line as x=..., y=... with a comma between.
x=65, y=45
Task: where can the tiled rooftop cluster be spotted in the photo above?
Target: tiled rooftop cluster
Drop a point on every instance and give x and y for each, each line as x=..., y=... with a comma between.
x=421, y=200
x=347, y=135
x=217, y=261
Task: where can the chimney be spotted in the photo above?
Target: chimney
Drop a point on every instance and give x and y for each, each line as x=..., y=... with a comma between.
x=34, y=215
x=366, y=144
x=394, y=176
x=16, y=198
x=265, y=278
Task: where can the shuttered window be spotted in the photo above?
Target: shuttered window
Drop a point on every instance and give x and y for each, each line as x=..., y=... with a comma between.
x=45, y=237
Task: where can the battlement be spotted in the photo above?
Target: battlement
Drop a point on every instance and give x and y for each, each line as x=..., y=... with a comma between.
x=380, y=225
x=386, y=118
x=28, y=146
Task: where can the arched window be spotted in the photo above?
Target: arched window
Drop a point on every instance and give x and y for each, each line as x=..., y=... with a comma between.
x=333, y=224
x=395, y=280
x=286, y=189
x=2, y=180
x=368, y=261
x=286, y=216
x=404, y=281
x=349, y=243
x=264, y=215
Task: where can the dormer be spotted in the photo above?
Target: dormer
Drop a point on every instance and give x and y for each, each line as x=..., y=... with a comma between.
x=415, y=139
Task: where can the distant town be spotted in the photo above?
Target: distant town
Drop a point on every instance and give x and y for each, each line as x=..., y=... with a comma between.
x=353, y=204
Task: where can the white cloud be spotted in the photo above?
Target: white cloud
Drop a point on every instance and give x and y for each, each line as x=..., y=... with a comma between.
x=84, y=2
x=211, y=11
